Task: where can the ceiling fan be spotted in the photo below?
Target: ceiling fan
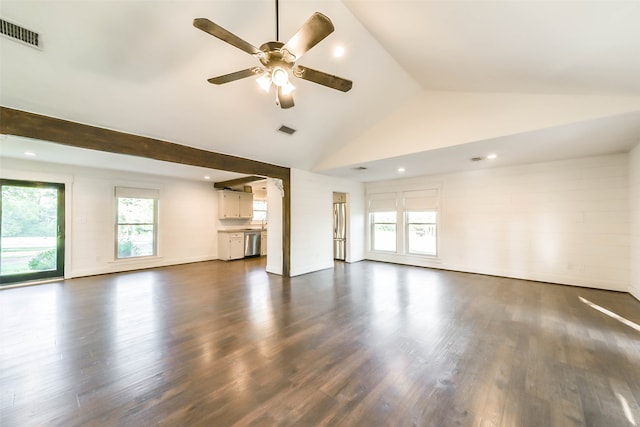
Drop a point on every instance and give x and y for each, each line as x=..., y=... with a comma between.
x=279, y=59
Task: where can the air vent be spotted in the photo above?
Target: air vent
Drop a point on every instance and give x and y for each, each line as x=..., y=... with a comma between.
x=287, y=130
x=359, y=168
x=476, y=159
x=19, y=33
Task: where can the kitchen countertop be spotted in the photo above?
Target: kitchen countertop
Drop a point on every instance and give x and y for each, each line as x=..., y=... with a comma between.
x=240, y=230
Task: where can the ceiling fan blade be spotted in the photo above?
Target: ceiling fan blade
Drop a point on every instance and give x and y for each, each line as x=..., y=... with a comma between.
x=322, y=78
x=235, y=76
x=285, y=101
x=217, y=31
x=312, y=32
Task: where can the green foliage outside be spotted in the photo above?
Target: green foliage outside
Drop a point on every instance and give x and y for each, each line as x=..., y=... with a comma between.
x=44, y=261
x=126, y=249
x=136, y=218
x=29, y=229
x=29, y=212
x=135, y=211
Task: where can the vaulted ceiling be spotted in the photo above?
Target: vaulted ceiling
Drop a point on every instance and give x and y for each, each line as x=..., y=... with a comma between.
x=435, y=82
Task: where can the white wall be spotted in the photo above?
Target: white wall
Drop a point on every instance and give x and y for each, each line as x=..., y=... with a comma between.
x=634, y=203
x=312, y=220
x=562, y=222
x=188, y=214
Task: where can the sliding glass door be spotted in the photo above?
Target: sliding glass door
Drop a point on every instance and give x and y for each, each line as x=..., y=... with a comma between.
x=32, y=231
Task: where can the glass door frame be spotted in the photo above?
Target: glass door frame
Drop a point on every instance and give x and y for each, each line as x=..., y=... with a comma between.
x=60, y=234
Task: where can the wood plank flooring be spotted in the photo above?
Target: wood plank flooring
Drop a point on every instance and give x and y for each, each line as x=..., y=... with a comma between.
x=366, y=344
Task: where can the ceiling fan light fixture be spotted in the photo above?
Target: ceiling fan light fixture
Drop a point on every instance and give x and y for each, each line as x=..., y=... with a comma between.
x=277, y=59
x=264, y=81
x=288, y=88
x=280, y=77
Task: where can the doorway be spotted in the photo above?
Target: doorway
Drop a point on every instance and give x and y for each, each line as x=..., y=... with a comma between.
x=32, y=231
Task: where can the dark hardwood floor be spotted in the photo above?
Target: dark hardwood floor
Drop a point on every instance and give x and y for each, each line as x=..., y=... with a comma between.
x=366, y=344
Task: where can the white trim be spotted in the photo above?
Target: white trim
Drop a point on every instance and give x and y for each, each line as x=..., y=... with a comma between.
x=135, y=260
x=137, y=193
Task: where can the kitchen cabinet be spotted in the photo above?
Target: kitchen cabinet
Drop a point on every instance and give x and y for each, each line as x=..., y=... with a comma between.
x=230, y=246
x=339, y=198
x=263, y=243
x=246, y=205
x=235, y=204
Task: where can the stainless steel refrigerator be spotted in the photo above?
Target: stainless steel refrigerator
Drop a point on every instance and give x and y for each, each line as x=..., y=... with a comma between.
x=339, y=231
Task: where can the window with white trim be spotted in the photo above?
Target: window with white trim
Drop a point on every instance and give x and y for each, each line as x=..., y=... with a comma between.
x=404, y=222
x=136, y=222
x=383, y=218
x=421, y=221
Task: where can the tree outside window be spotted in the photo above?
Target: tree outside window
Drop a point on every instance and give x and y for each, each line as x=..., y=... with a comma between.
x=30, y=219
x=136, y=228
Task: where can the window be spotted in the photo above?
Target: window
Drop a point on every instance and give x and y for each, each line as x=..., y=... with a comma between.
x=421, y=232
x=259, y=210
x=404, y=223
x=136, y=222
x=383, y=236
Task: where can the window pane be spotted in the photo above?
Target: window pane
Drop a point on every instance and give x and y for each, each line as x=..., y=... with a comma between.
x=259, y=210
x=384, y=237
x=388, y=217
x=135, y=211
x=259, y=215
x=259, y=205
x=384, y=231
x=422, y=239
x=136, y=227
x=428, y=217
x=135, y=240
x=29, y=221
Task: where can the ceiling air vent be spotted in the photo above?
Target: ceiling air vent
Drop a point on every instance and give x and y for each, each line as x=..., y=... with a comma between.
x=287, y=130
x=19, y=33
x=476, y=159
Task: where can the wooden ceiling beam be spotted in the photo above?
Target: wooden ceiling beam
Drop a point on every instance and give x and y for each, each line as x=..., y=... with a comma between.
x=21, y=123
x=238, y=181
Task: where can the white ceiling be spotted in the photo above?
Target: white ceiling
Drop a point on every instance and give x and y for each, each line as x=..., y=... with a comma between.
x=608, y=135
x=539, y=46
x=141, y=67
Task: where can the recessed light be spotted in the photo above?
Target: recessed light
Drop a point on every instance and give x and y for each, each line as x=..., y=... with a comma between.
x=492, y=156
x=207, y=177
x=401, y=170
x=338, y=51
x=29, y=153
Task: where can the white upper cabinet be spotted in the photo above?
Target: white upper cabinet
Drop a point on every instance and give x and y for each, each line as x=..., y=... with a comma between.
x=235, y=204
x=246, y=205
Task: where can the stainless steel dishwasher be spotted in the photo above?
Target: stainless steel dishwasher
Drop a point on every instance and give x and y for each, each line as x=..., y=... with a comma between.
x=252, y=243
